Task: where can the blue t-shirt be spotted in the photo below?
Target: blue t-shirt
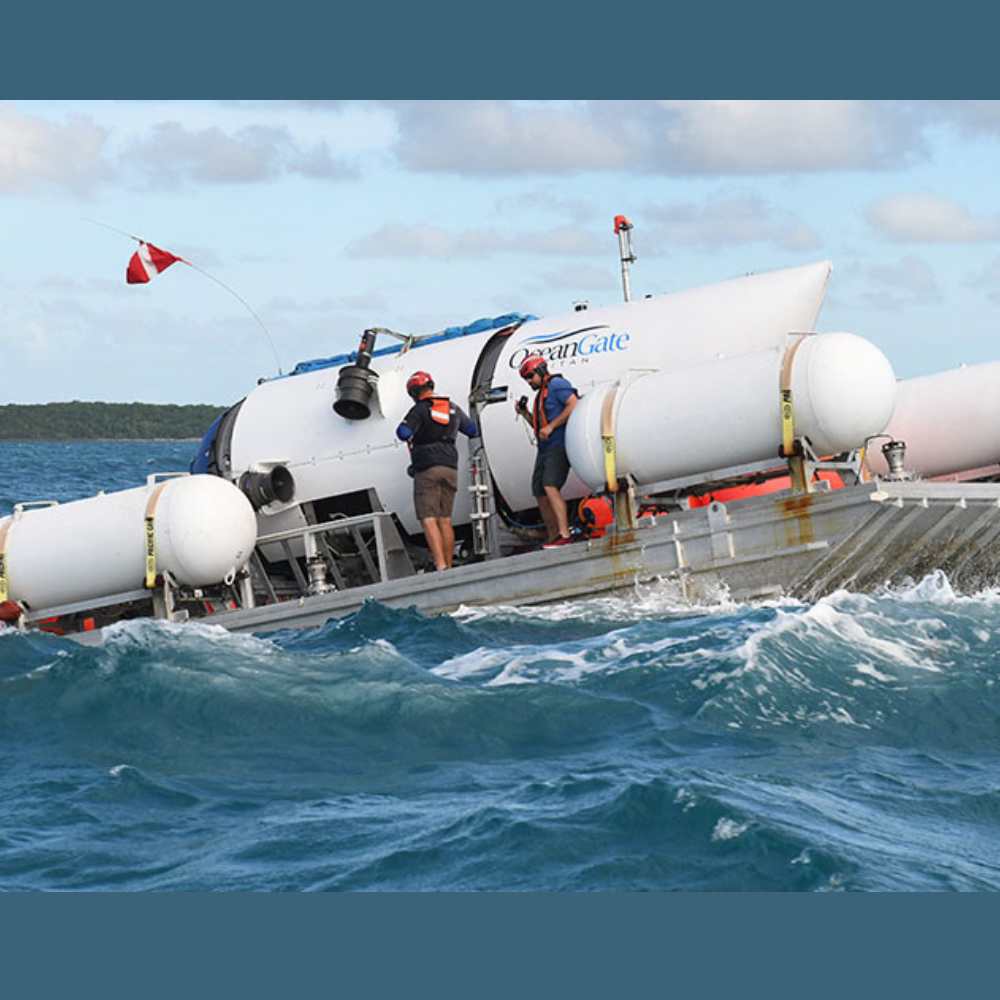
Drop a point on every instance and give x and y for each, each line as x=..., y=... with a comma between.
x=560, y=392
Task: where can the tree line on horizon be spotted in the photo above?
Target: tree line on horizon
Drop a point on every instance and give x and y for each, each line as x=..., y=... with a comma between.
x=79, y=421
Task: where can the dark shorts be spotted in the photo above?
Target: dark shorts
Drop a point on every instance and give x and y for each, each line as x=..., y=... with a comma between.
x=434, y=491
x=551, y=469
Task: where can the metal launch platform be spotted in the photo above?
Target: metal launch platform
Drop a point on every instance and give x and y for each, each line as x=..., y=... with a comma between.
x=803, y=545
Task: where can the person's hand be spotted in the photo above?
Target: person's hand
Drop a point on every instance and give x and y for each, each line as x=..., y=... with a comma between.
x=544, y=433
x=522, y=406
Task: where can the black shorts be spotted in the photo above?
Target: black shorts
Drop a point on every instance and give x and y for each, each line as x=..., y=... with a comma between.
x=551, y=469
x=434, y=491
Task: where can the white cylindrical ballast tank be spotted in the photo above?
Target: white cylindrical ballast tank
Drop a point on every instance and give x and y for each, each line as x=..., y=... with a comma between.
x=205, y=530
x=950, y=421
x=724, y=413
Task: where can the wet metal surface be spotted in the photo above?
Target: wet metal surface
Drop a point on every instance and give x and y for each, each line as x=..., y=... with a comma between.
x=798, y=520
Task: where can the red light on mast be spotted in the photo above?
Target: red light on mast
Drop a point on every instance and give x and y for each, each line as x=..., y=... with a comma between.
x=621, y=223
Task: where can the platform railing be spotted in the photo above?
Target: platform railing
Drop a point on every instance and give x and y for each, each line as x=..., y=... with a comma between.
x=389, y=561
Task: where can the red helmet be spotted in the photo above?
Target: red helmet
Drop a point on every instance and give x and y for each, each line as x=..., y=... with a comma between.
x=531, y=364
x=418, y=382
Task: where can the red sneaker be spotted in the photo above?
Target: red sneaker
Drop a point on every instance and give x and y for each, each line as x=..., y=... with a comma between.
x=558, y=543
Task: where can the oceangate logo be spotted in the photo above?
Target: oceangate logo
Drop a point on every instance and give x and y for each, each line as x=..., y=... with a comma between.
x=571, y=347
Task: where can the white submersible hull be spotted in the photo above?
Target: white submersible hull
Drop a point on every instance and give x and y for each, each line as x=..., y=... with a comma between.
x=290, y=421
x=950, y=422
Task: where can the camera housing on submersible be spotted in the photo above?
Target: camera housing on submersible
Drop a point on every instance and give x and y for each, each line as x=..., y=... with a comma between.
x=267, y=486
x=356, y=383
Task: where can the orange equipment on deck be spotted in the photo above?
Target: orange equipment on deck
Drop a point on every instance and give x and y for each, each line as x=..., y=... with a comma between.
x=596, y=514
x=730, y=493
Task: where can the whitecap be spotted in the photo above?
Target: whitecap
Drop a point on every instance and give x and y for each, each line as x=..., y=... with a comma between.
x=547, y=665
x=155, y=631
x=686, y=799
x=655, y=600
x=728, y=829
x=866, y=668
x=479, y=661
x=936, y=588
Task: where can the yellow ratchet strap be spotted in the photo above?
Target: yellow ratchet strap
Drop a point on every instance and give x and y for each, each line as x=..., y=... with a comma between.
x=3, y=559
x=796, y=463
x=150, y=529
x=608, y=439
x=787, y=424
x=865, y=474
x=785, y=390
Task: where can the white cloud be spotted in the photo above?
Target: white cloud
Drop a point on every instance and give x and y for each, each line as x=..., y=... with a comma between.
x=318, y=163
x=749, y=137
x=130, y=348
x=929, y=218
x=399, y=240
x=968, y=118
x=172, y=153
x=562, y=241
x=666, y=137
x=498, y=137
x=62, y=283
x=359, y=301
x=581, y=278
x=987, y=280
x=36, y=153
x=549, y=200
x=908, y=281
x=729, y=220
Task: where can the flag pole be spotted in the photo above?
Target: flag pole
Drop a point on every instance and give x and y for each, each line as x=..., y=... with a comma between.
x=239, y=298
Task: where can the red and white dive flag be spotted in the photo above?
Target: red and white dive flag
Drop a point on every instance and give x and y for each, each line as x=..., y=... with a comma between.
x=147, y=262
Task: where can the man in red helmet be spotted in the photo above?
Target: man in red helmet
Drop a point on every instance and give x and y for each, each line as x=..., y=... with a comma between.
x=555, y=399
x=430, y=428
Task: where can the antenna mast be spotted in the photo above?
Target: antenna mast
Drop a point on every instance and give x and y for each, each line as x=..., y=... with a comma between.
x=623, y=229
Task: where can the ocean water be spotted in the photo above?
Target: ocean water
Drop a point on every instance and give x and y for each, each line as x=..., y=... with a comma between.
x=626, y=743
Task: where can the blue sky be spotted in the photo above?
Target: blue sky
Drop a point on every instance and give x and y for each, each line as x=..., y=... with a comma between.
x=327, y=217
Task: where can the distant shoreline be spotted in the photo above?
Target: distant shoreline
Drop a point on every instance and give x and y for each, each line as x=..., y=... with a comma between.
x=80, y=421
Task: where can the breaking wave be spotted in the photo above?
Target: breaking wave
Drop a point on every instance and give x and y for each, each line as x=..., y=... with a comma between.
x=631, y=742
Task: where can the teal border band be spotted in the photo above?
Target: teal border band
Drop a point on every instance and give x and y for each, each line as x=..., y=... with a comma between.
x=447, y=49
x=520, y=944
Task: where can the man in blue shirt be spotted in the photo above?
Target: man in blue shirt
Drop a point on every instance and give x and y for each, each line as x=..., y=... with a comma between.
x=429, y=429
x=555, y=399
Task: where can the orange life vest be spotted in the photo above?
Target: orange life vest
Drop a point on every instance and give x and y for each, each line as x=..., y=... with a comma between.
x=441, y=410
x=538, y=420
